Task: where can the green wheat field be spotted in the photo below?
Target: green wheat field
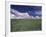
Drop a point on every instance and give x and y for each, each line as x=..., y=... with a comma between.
x=25, y=25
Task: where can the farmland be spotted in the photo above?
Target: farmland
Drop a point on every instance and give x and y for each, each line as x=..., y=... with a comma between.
x=25, y=25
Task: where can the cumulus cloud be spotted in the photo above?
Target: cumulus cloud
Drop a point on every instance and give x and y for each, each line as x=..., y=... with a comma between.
x=19, y=15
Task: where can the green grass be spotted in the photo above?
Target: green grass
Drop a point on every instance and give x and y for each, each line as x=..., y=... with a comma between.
x=25, y=25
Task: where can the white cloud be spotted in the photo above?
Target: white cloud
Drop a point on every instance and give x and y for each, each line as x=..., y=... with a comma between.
x=20, y=15
x=37, y=17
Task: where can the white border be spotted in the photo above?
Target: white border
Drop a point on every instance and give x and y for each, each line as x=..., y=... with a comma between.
x=27, y=33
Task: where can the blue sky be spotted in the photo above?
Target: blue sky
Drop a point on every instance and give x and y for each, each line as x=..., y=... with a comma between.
x=31, y=10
